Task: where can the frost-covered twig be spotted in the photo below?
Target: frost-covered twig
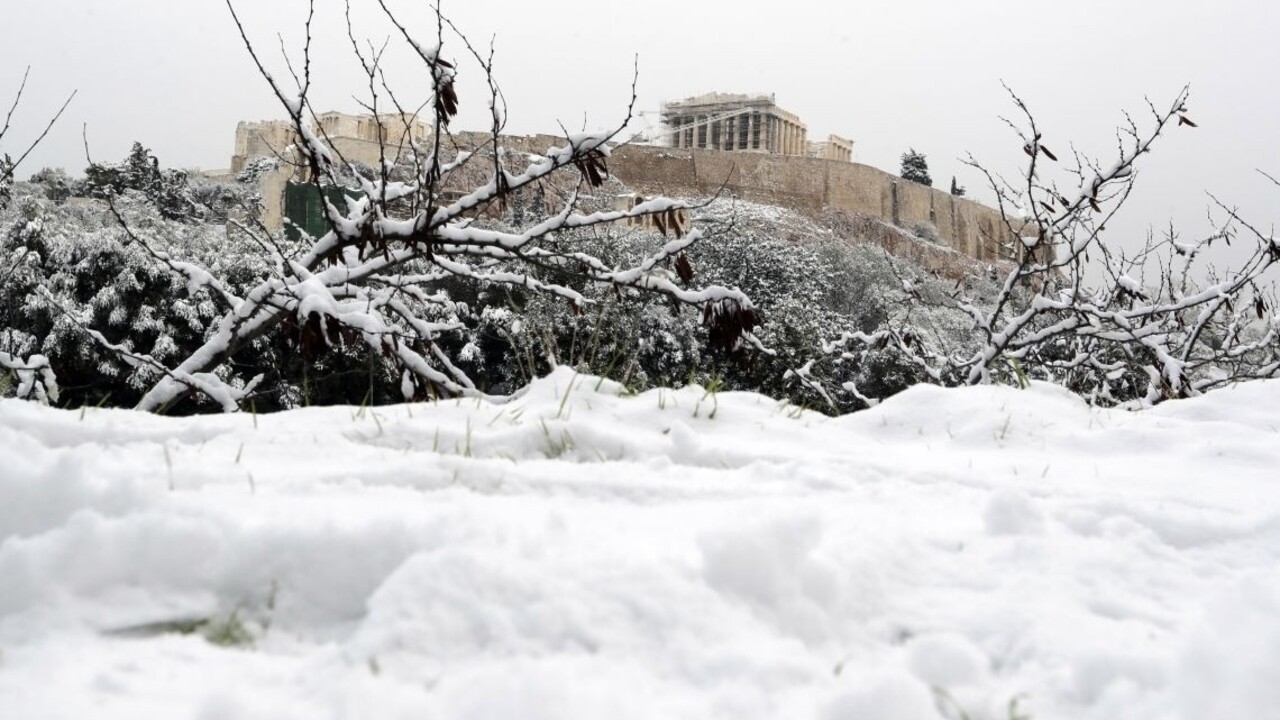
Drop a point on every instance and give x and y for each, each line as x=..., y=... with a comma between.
x=1149, y=332
x=9, y=166
x=376, y=275
x=36, y=379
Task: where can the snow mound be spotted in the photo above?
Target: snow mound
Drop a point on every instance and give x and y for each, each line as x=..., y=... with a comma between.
x=579, y=552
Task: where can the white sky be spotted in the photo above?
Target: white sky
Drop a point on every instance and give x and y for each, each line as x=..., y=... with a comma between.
x=891, y=75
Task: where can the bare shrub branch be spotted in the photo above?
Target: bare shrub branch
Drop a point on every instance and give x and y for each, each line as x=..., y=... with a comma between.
x=1162, y=324
x=420, y=221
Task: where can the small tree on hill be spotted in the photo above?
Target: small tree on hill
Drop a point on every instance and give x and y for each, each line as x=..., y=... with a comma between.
x=915, y=168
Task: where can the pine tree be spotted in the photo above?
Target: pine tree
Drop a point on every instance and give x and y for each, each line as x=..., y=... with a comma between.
x=915, y=168
x=957, y=189
x=140, y=171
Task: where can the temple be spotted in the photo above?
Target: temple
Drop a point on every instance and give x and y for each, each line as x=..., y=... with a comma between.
x=742, y=122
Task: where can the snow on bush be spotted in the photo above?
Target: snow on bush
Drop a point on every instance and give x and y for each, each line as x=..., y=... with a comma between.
x=74, y=268
x=807, y=284
x=1162, y=323
x=69, y=267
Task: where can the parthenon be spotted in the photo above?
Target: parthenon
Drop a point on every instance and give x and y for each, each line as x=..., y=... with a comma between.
x=723, y=121
x=833, y=148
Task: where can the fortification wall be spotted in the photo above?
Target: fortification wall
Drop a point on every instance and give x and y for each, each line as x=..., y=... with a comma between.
x=788, y=180
x=806, y=184
x=811, y=184
x=655, y=171
x=860, y=188
x=259, y=139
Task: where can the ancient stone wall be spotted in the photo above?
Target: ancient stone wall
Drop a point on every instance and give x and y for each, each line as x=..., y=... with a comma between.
x=774, y=179
x=860, y=188
x=807, y=184
x=811, y=184
x=260, y=139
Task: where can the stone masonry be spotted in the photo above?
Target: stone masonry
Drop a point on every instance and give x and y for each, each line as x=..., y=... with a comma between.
x=810, y=184
x=807, y=177
x=357, y=138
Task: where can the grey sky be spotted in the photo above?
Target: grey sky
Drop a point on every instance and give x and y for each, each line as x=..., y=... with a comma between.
x=891, y=75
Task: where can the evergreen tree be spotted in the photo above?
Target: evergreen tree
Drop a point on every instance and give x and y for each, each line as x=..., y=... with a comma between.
x=957, y=189
x=140, y=171
x=915, y=169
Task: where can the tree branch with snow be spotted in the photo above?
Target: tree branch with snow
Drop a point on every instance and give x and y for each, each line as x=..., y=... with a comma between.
x=1161, y=324
x=417, y=222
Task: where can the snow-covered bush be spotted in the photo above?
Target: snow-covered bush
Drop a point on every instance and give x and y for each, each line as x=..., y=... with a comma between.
x=75, y=269
x=926, y=231
x=403, y=253
x=31, y=377
x=1162, y=324
x=58, y=186
x=167, y=189
x=255, y=168
x=806, y=284
x=69, y=267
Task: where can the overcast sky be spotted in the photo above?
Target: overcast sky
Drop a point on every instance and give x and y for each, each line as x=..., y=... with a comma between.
x=891, y=75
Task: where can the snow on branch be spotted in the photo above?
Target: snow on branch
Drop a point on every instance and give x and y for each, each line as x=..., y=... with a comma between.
x=36, y=379
x=1161, y=324
x=423, y=222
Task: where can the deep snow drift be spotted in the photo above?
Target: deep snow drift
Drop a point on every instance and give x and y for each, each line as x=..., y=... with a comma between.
x=577, y=553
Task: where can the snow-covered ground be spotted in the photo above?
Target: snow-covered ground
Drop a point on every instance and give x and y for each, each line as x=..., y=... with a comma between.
x=582, y=554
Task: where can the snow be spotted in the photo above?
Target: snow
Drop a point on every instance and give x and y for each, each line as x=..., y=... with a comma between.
x=1129, y=284
x=581, y=553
